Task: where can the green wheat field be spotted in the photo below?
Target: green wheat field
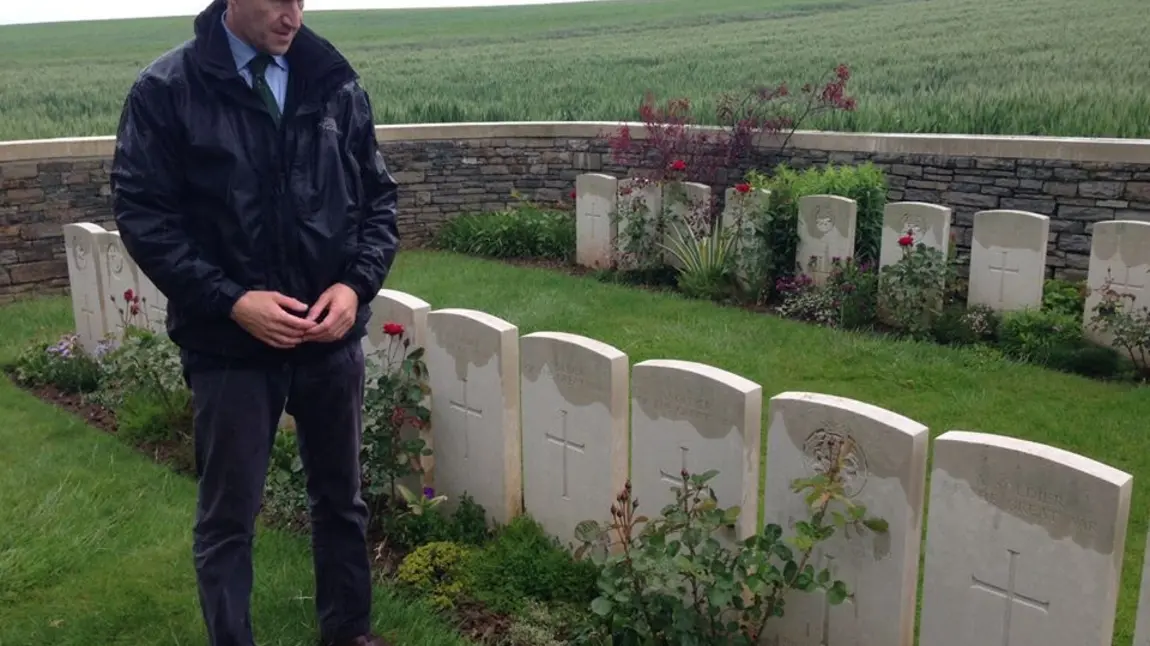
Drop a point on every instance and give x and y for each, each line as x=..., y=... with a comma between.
x=1030, y=67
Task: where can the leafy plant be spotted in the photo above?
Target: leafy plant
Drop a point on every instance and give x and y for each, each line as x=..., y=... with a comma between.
x=524, y=231
x=670, y=580
x=435, y=570
x=847, y=299
x=705, y=262
x=394, y=403
x=1129, y=327
x=1064, y=296
x=959, y=325
x=914, y=288
x=524, y=563
x=776, y=228
x=63, y=364
x=1035, y=335
x=641, y=228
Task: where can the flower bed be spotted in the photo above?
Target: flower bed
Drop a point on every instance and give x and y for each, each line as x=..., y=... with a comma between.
x=510, y=585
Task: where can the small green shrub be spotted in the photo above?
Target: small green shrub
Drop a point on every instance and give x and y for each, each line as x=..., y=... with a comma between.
x=777, y=227
x=1032, y=335
x=539, y=624
x=435, y=571
x=143, y=418
x=914, y=288
x=1088, y=359
x=846, y=300
x=669, y=580
x=1064, y=296
x=959, y=325
x=467, y=525
x=63, y=364
x=524, y=562
x=521, y=232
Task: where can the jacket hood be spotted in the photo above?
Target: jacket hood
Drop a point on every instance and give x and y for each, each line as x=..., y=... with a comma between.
x=314, y=61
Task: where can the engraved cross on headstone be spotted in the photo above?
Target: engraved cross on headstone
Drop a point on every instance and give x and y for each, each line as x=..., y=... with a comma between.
x=1002, y=269
x=677, y=478
x=1008, y=593
x=468, y=413
x=565, y=446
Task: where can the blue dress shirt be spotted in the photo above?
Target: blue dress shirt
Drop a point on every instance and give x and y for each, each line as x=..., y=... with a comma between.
x=276, y=74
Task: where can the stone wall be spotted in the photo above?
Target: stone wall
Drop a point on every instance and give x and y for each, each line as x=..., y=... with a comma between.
x=447, y=169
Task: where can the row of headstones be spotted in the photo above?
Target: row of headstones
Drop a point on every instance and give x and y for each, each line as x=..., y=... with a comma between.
x=1025, y=541
x=1008, y=249
x=545, y=423
x=100, y=275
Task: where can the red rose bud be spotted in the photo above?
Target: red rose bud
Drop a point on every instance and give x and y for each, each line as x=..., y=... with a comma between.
x=678, y=164
x=906, y=241
x=743, y=188
x=392, y=329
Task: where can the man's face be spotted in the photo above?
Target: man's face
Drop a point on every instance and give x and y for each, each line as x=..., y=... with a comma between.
x=268, y=25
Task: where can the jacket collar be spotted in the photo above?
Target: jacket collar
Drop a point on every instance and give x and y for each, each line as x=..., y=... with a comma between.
x=316, y=65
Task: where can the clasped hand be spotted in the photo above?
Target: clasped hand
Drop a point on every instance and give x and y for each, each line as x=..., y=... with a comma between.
x=268, y=316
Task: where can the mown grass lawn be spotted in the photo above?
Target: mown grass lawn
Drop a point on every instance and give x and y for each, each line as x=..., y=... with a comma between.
x=59, y=480
x=95, y=539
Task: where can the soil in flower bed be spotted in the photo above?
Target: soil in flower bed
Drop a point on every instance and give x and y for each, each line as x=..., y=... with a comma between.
x=170, y=454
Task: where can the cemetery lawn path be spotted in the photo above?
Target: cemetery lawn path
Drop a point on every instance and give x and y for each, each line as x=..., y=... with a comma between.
x=943, y=388
x=95, y=539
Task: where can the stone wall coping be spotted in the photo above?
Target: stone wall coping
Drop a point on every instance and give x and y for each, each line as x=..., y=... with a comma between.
x=1072, y=149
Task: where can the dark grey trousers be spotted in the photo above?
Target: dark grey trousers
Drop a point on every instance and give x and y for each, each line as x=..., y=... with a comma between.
x=237, y=411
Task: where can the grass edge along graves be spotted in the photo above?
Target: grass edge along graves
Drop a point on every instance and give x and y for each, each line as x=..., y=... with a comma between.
x=563, y=374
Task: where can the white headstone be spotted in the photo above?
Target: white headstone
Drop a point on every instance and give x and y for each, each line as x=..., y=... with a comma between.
x=739, y=212
x=391, y=306
x=883, y=467
x=1024, y=544
x=640, y=201
x=575, y=433
x=687, y=415
x=928, y=224
x=1008, y=259
x=473, y=367
x=88, y=299
x=596, y=196
x=1120, y=257
x=827, y=225
x=688, y=207
x=119, y=276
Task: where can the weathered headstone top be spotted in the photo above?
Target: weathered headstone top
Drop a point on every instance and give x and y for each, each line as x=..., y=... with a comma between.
x=575, y=432
x=827, y=225
x=1024, y=544
x=880, y=457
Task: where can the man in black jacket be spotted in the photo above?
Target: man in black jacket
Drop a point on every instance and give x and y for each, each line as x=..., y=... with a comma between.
x=247, y=184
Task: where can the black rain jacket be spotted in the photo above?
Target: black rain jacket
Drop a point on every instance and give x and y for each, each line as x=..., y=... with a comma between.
x=212, y=200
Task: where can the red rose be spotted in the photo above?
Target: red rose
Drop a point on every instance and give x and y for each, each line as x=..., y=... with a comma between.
x=906, y=241
x=129, y=295
x=392, y=329
x=743, y=188
x=678, y=164
x=572, y=194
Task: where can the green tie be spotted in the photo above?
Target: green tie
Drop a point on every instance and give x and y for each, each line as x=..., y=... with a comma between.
x=258, y=66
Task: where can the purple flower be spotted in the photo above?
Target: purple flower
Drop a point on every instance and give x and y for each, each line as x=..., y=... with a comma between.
x=428, y=493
